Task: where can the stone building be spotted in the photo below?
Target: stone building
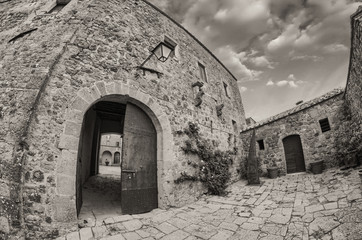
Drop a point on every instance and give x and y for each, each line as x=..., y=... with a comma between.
x=295, y=138
x=74, y=70
x=110, y=149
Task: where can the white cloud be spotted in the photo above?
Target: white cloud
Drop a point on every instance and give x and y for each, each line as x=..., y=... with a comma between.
x=291, y=81
x=262, y=62
x=282, y=83
x=232, y=22
x=235, y=62
x=336, y=47
x=221, y=15
x=291, y=77
x=313, y=28
x=243, y=89
x=270, y=83
x=292, y=84
x=313, y=58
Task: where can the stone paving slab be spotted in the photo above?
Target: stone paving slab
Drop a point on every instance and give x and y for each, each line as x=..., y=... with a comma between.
x=298, y=207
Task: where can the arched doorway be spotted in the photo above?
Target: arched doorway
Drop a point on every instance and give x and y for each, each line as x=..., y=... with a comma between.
x=294, y=156
x=138, y=182
x=106, y=157
x=117, y=158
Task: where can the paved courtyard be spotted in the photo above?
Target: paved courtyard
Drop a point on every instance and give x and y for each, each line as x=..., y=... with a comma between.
x=302, y=206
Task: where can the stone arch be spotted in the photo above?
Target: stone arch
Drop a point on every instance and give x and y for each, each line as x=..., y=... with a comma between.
x=69, y=139
x=109, y=154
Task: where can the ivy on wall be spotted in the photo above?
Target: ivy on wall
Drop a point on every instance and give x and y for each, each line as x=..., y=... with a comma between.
x=213, y=168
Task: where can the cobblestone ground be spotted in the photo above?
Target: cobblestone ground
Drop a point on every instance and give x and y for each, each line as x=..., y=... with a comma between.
x=304, y=206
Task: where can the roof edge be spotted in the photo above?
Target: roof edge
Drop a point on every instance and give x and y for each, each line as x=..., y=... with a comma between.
x=198, y=41
x=325, y=97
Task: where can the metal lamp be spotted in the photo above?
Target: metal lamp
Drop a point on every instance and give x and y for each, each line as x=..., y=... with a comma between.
x=162, y=51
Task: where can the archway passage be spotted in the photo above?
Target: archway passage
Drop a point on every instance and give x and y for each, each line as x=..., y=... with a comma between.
x=294, y=154
x=134, y=190
x=106, y=157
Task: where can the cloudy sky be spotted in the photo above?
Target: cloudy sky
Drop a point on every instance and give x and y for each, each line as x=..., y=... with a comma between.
x=281, y=51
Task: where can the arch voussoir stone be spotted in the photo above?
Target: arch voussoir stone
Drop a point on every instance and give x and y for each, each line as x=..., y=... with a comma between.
x=86, y=94
x=80, y=104
x=110, y=88
x=101, y=88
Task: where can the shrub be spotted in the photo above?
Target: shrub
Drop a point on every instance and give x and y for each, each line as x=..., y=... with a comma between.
x=213, y=169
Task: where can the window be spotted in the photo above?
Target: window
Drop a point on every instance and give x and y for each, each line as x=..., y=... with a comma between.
x=202, y=72
x=324, y=123
x=261, y=144
x=226, y=89
x=59, y=6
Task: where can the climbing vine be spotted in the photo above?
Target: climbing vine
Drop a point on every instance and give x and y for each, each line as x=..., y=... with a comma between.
x=213, y=169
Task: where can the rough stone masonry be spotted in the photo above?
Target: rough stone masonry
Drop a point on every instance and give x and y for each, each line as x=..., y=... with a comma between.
x=57, y=62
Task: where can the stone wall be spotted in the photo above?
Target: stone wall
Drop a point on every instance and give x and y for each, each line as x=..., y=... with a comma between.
x=302, y=120
x=354, y=83
x=86, y=52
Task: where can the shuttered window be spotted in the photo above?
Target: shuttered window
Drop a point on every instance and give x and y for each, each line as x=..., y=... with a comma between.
x=261, y=144
x=324, y=123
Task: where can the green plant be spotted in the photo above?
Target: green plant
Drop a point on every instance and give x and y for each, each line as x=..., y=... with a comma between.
x=185, y=177
x=213, y=169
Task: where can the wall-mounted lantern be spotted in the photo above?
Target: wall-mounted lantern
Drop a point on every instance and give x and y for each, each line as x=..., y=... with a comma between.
x=162, y=51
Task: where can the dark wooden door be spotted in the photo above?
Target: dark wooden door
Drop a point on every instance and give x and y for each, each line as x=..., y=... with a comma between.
x=294, y=154
x=139, y=163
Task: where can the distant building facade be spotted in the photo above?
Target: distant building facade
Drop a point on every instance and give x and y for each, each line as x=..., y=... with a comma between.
x=110, y=149
x=297, y=137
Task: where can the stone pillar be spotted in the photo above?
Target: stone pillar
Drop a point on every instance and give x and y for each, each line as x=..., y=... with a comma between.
x=252, y=166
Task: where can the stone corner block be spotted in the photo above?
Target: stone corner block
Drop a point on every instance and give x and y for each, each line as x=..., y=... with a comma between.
x=67, y=164
x=65, y=210
x=68, y=142
x=72, y=128
x=66, y=185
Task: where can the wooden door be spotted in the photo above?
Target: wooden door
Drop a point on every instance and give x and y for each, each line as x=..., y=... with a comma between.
x=139, y=163
x=294, y=154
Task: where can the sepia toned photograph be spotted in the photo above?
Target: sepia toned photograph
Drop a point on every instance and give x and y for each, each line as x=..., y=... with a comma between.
x=181, y=119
